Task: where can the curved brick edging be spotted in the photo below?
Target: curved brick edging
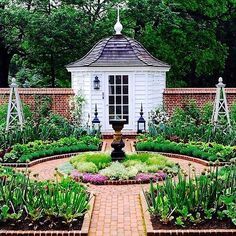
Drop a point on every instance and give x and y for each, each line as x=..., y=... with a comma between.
x=150, y=231
x=43, y=159
x=125, y=182
x=83, y=232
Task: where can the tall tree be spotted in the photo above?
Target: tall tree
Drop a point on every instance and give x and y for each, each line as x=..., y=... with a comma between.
x=13, y=20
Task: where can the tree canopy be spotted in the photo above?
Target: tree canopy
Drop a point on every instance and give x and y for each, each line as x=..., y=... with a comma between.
x=196, y=37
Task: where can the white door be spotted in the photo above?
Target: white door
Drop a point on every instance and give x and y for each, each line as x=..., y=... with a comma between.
x=118, y=99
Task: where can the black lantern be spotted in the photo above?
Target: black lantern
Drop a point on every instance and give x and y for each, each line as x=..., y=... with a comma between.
x=96, y=83
x=141, y=122
x=96, y=121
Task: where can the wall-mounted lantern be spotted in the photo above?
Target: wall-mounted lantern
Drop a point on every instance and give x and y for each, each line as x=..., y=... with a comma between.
x=141, y=122
x=96, y=121
x=96, y=83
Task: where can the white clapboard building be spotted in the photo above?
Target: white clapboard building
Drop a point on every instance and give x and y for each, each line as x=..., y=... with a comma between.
x=119, y=75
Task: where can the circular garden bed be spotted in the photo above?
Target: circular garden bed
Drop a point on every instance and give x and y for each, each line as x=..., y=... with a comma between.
x=97, y=168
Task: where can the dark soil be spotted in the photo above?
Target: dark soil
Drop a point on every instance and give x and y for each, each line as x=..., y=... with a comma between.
x=209, y=224
x=42, y=224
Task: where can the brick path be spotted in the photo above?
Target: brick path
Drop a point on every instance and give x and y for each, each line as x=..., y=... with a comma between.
x=127, y=148
x=117, y=209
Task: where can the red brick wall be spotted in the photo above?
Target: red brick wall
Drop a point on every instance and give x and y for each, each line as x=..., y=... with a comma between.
x=172, y=97
x=178, y=97
x=60, y=98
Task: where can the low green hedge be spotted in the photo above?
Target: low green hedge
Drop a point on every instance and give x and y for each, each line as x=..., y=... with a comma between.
x=205, y=151
x=38, y=149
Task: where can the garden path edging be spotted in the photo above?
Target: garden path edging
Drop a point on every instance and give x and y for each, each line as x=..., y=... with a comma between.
x=83, y=232
x=151, y=232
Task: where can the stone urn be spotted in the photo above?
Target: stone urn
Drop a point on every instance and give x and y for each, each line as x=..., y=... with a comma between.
x=117, y=153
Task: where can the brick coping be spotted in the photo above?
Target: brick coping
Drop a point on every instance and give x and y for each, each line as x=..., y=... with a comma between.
x=151, y=231
x=195, y=91
x=125, y=182
x=40, y=91
x=83, y=232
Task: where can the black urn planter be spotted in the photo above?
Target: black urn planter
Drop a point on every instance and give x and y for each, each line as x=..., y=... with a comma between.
x=118, y=144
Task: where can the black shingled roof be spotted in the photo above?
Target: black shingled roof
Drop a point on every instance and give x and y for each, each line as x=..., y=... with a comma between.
x=118, y=50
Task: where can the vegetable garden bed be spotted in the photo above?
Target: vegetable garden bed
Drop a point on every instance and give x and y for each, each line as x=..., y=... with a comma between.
x=45, y=206
x=187, y=203
x=165, y=230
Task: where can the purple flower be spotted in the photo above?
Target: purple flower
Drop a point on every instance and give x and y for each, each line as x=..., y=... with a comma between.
x=75, y=175
x=94, y=178
x=160, y=175
x=146, y=177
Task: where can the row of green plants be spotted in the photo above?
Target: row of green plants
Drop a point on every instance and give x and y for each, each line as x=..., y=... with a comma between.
x=42, y=124
x=52, y=127
x=37, y=149
x=40, y=203
x=207, y=151
x=191, y=123
x=98, y=167
x=192, y=199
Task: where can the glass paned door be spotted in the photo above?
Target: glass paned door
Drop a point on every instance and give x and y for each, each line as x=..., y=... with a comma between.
x=119, y=97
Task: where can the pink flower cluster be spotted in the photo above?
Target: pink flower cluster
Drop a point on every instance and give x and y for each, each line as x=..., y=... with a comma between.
x=89, y=178
x=146, y=177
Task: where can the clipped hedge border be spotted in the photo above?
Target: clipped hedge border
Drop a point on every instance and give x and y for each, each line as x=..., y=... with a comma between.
x=185, y=157
x=162, y=232
x=83, y=232
x=180, y=156
x=43, y=159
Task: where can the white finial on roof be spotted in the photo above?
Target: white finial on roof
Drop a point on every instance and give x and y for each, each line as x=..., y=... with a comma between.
x=118, y=26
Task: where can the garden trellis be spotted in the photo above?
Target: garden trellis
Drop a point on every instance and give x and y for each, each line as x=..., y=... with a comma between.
x=220, y=116
x=15, y=111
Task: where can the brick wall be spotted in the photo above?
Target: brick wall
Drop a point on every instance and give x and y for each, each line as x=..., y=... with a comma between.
x=60, y=98
x=172, y=97
x=179, y=97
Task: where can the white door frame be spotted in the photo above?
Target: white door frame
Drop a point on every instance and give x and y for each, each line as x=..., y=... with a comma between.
x=129, y=126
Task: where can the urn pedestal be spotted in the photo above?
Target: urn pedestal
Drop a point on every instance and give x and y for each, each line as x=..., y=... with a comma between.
x=117, y=153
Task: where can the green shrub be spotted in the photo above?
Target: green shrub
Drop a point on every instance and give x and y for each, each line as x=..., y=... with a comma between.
x=131, y=162
x=118, y=171
x=159, y=160
x=101, y=160
x=86, y=167
x=138, y=157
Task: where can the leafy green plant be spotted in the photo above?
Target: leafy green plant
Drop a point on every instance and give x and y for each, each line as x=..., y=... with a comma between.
x=101, y=160
x=195, y=199
x=86, y=167
x=21, y=198
x=118, y=171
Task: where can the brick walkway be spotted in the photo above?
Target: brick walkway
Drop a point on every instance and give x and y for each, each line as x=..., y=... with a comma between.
x=117, y=209
x=127, y=148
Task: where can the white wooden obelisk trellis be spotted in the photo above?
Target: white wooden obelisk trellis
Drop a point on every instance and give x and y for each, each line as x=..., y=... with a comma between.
x=220, y=116
x=15, y=116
